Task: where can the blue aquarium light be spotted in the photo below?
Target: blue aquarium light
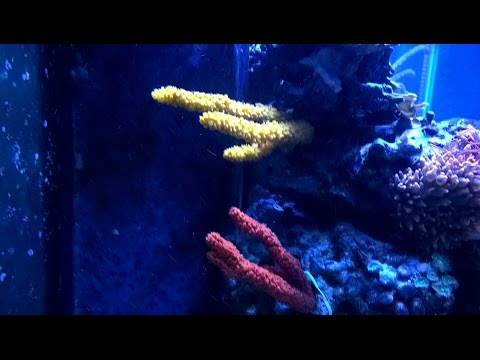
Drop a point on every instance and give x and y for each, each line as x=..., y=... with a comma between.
x=431, y=75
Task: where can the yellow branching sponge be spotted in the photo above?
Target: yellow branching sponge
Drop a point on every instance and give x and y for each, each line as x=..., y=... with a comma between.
x=263, y=127
x=263, y=137
x=202, y=102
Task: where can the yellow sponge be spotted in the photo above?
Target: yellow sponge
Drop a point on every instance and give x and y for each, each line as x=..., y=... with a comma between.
x=263, y=127
x=247, y=152
x=202, y=102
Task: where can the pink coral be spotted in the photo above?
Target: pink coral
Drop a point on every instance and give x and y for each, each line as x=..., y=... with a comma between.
x=440, y=201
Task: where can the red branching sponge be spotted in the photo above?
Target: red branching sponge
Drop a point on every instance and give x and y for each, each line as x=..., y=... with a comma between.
x=285, y=281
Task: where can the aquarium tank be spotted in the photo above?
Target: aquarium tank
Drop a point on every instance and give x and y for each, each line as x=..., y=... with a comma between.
x=239, y=179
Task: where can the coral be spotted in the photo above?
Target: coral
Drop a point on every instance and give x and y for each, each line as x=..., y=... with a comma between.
x=403, y=73
x=263, y=138
x=356, y=273
x=408, y=107
x=263, y=127
x=202, y=102
x=415, y=50
x=427, y=49
x=415, y=285
x=439, y=201
x=285, y=281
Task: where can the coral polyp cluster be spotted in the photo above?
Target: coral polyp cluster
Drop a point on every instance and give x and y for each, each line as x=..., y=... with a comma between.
x=440, y=200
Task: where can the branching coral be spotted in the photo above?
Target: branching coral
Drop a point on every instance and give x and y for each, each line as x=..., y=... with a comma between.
x=410, y=53
x=201, y=102
x=285, y=281
x=427, y=49
x=263, y=127
x=440, y=200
